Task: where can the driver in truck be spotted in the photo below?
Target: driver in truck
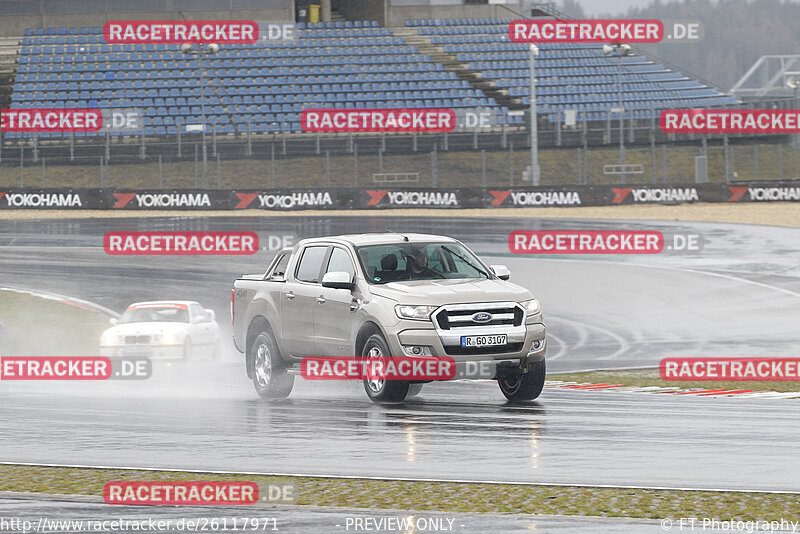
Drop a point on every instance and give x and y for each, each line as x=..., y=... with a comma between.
x=418, y=261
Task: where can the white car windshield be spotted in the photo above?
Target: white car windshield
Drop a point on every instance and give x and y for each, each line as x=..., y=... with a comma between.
x=419, y=261
x=155, y=315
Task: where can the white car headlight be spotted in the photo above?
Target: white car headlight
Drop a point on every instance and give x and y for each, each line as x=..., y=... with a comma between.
x=170, y=339
x=110, y=338
x=417, y=313
x=531, y=306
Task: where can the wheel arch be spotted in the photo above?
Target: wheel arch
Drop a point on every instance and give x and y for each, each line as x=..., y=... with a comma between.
x=366, y=330
x=258, y=324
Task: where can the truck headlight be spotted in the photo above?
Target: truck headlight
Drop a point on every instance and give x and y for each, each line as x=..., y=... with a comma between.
x=531, y=306
x=418, y=313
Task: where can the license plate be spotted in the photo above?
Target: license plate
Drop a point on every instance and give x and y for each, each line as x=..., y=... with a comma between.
x=483, y=341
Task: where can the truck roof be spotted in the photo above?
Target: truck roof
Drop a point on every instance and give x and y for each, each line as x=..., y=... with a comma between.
x=383, y=238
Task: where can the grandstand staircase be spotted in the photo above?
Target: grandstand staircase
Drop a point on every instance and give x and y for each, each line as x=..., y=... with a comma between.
x=9, y=52
x=214, y=91
x=450, y=62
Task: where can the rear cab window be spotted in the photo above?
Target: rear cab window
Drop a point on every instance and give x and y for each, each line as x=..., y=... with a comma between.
x=309, y=267
x=278, y=270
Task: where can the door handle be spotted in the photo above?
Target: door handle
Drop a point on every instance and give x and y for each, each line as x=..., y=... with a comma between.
x=321, y=299
x=290, y=295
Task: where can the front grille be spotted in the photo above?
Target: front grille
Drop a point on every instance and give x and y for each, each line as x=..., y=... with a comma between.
x=457, y=350
x=141, y=340
x=451, y=319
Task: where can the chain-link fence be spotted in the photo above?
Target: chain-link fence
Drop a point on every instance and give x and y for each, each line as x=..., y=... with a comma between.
x=585, y=153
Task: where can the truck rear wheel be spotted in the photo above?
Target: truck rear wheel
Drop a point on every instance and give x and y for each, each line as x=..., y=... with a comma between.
x=523, y=387
x=269, y=372
x=382, y=390
x=414, y=390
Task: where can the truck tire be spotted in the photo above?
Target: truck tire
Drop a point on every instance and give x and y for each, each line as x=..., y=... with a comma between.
x=380, y=390
x=524, y=387
x=269, y=372
x=413, y=390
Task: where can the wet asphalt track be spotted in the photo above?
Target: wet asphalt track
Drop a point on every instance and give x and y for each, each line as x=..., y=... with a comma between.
x=456, y=431
x=741, y=296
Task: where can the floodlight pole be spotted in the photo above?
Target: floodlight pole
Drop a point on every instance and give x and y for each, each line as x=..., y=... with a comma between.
x=621, y=117
x=535, y=174
x=621, y=50
x=203, y=117
x=199, y=54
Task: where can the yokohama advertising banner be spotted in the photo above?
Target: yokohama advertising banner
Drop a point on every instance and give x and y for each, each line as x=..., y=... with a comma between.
x=427, y=198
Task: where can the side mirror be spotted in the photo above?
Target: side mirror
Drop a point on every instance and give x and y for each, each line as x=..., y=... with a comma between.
x=114, y=321
x=197, y=319
x=212, y=316
x=338, y=280
x=501, y=271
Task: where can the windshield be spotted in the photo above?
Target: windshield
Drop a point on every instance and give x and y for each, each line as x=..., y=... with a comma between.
x=419, y=261
x=155, y=314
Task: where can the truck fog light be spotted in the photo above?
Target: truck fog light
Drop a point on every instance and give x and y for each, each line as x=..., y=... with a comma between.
x=536, y=345
x=417, y=350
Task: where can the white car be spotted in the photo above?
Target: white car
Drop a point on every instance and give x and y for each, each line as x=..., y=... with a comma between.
x=163, y=330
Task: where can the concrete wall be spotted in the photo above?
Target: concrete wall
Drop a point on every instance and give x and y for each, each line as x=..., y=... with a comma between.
x=397, y=14
x=363, y=10
x=18, y=15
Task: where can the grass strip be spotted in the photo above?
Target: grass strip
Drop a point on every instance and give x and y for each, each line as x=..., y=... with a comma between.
x=454, y=168
x=440, y=496
x=651, y=377
x=37, y=326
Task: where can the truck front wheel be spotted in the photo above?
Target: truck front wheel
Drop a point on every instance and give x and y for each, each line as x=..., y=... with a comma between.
x=269, y=372
x=378, y=389
x=519, y=387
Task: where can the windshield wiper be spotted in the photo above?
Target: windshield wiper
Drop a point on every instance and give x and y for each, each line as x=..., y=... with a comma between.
x=465, y=260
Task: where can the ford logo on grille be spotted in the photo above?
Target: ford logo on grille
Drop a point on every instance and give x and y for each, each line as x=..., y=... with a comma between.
x=482, y=317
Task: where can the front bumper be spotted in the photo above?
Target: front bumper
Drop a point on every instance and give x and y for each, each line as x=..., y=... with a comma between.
x=152, y=351
x=528, y=345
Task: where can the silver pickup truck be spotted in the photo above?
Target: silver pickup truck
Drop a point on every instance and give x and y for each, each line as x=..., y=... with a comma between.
x=387, y=295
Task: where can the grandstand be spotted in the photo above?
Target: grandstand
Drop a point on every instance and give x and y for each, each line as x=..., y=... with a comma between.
x=569, y=76
x=263, y=87
x=407, y=54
